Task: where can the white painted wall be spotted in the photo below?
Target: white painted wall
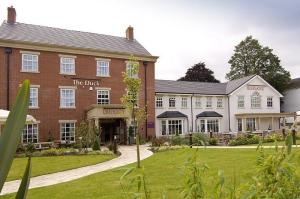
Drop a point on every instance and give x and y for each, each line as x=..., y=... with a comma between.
x=291, y=100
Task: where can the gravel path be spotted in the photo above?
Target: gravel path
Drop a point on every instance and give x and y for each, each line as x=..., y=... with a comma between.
x=128, y=155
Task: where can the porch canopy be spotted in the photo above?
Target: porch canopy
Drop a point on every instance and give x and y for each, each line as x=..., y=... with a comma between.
x=209, y=114
x=172, y=114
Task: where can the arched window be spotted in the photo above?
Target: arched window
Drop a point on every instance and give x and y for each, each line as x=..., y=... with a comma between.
x=255, y=100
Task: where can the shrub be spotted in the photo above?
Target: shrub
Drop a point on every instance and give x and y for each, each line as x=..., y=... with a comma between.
x=96, y=145
x=160, y=141
x=199, y=139
x=244, y=140
x=213, y=141
x=177, y=140
x=29, y=148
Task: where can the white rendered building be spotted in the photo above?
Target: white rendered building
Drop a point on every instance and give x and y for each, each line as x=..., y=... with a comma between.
x=246, y=104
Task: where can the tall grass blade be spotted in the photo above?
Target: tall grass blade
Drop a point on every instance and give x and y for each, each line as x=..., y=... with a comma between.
x=22, y=192
x=11, y=134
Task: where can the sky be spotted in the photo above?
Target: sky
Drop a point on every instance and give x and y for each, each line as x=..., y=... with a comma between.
x=181, y=32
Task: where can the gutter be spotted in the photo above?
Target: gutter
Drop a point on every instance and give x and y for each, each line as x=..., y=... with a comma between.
x=7, y=51
x=145, y=63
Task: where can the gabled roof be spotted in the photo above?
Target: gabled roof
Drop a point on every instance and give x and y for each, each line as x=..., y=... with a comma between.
x=186, y=87
x=43, y=35
x=209, y=114
x=171, y=114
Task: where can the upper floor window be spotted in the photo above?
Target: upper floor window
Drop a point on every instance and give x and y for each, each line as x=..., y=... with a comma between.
x=172, y=102
x=159, y=102
x=220, y=103
x=34, y=97
x=198, y=102
x=131, y=69
x=270, y=102
x=255, y=100
x=103, y=68
x=30, y=62
x=184, y=102
x=241, y=102
x=208, y=102
x=67, y=65
x=30, y=133
x=67, y=132
x=102, y=96
x=67, y=98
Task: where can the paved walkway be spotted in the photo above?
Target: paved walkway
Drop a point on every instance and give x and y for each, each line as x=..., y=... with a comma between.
x=128, y=155
x=240, y=147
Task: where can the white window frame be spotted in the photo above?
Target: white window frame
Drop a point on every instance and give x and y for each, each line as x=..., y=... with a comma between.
x=219, y=102
x=184, y=102
x=240, y=124
x=129, y=70
x=255, y=100
x=250, y=124
x=241, y=101
x=102, y=100
x=269, y=102
x=209, y=102
x=67, y=65
x=172, y=102
x=63, y=126
x=198, y=102
x=68, y=102
x=213, y=124
x=159, y=102
x=27, y=58
x=102, y=66
x=34, y=90
x=32, y=137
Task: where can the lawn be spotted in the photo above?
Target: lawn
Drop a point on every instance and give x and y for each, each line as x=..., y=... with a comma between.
x=164, y=172
x=52, y=164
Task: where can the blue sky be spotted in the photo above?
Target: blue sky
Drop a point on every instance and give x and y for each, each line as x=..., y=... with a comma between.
x=180, y=32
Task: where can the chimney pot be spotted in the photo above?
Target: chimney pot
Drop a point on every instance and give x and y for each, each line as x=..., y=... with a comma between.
x=129, y=33
x=11, y=15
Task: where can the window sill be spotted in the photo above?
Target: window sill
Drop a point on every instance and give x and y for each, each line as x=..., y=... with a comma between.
x=103, y=76
x=184, y=108
x=255, y=107
x=198, y=107
x=220, y=107
x=159, y=107
x=67, y=107
x=23, y=71
x=35, y=107
x=172, y=107
x=71, y=74
x=241, y=107
x=208, y=107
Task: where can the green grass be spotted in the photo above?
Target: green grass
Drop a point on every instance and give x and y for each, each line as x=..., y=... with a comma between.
x=164, y=171
x=52, y=164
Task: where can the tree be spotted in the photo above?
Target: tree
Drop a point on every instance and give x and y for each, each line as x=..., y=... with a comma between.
x=199, y=73
x=251, y=58
x=130, y=100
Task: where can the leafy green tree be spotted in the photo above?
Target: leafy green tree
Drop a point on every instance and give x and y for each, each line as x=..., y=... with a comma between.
x=199, y=73
x=130, y=100
x=251, y=58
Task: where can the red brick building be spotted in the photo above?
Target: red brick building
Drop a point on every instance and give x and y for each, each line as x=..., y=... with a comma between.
x=74, y=76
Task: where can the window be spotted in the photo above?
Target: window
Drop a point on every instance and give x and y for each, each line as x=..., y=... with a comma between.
x=67, y=132
x=202, y=126
x=29, y=63
x=159, y=102
x=172, y=102
x=270, y=102
x=208, y=102
x=255, y=100
x=240, y=125
x=67, y=65
x=33, y=98
x=102, y=68
x=213, y=125
x=184, y=102
x=130, y=70
x=241, y=102
x=163, y=127
x=250, y=124
x=198, y=102
x=67, y=98
x=30, y=133
x=175, y=127
x=102, y=97
x=219, y=103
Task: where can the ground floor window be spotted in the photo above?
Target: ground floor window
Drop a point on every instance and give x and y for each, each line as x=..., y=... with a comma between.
x=240, y=124
x=250, y=124
x=67, y=132
x=202, y=126
x=171, y=127
x=213, y=125
x=30, y=133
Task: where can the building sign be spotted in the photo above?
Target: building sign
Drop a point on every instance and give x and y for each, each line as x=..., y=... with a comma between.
x=255, y=87
x=78, y=82
x=150, y=125
x=113, y=111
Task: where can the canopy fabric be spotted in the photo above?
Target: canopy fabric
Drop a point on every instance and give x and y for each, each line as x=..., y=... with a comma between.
x=172, y=114
x=4, y=115
x=209, y=114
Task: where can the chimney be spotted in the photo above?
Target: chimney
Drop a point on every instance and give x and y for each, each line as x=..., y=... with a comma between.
x=129, y=33
x=11, y=15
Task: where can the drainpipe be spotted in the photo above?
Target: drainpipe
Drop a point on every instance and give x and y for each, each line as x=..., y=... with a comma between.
x=7, y=51
x=145, y=63
x=229, y=128
x=192, y=113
